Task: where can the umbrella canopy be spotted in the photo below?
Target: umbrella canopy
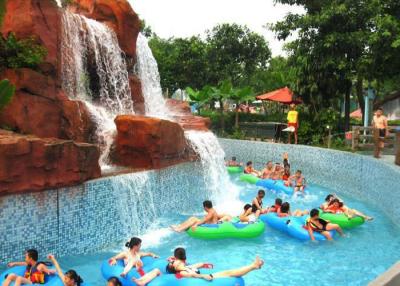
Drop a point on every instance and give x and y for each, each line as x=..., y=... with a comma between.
x=282, y=95
x=356, y=114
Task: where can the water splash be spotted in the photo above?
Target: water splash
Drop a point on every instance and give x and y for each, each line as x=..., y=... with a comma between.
x=94, y=71
x=150, y=80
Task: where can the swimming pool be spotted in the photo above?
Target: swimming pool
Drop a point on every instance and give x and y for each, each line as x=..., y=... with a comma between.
x=356, y=259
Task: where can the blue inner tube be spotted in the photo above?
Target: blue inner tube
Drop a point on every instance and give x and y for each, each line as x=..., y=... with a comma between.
x=50, y=280
x=165, y=279
x=293, y=226
x=276, y=185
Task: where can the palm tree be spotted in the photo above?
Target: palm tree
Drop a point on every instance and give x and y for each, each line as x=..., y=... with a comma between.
x=240, y=95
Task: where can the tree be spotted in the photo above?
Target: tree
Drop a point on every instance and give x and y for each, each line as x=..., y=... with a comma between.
x=236, y=53
x=200, y=97
x=330, y=57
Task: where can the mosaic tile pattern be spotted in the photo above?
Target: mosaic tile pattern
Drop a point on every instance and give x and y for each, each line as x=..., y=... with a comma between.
x=94, y=215
x=361, y=177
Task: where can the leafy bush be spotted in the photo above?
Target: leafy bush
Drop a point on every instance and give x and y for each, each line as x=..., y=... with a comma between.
x=6, y=92
x=394, y=122
x=22, y=53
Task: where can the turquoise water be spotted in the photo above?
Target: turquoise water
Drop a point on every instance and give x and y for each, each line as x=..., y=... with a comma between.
x=356, y=259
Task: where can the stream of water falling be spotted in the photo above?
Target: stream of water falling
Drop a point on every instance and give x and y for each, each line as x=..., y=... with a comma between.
x=150, y=79
x=91, y=57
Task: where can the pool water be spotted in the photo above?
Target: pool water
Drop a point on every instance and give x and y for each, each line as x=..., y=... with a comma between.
x=355, y=259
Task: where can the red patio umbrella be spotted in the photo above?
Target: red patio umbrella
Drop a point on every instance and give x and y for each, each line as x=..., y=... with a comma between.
x=282, y=95
x=356, y=114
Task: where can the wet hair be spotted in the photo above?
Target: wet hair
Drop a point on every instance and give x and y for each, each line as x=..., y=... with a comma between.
x=329, y=197
x=233, y=158
x=285, y=207
x=314, y=212
x=71, y=274
x=133, y=242
x=33, y=254
x=114, y=281
x=180, y=253
x=298, y=171
x=249, y=163
x=336, y=200
x=278, y=201
x=379, y=108
x=286, y=163
x=261, y=192
x=207, y=204
x=269, y=162
x=247, y=206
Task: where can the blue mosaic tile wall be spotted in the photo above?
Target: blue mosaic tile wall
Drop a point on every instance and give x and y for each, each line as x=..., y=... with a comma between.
x=92, y=216
x=361, y=177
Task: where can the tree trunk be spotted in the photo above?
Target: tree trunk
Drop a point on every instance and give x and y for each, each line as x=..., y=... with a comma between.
x=360, y=95
x=222, y=119
x=347, y=110
x=237, y=115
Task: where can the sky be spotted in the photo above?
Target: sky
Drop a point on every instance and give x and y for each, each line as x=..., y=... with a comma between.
x=185, y=18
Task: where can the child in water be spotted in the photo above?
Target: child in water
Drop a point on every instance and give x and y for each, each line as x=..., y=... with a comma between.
x=132, y=256
x=250, y=170
x=35, y=270
x=69, y=278
x=285, y=211
x=248, y=215
x=299, y=182
x=317, y=224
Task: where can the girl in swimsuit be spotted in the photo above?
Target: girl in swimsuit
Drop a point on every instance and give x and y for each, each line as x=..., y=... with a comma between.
x=285, y=211
x=257, y=202
x=70, y=278
x=132, y=256
x=315, y=223
x=299, y=182
x=178, y=266
x=286, y=175
x=248, y=215
x=336, y=206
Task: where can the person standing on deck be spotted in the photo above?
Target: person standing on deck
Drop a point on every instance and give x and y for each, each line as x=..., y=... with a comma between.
x=380, y=125
x=293, y=121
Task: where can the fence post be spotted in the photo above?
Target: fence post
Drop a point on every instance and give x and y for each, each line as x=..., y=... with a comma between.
x=397, y=146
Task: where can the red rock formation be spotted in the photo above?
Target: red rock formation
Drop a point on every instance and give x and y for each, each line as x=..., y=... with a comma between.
x=185, y=118
x=40, y=108
x=137, y=95
x=29, y=163
x=145, y=142
x=118, y=15
x=38, y=18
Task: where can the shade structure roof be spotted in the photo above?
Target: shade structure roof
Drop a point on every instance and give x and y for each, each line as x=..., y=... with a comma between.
x=356, y=113
x=282, y=95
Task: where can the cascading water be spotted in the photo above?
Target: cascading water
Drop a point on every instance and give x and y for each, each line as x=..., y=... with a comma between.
x=205, y=144
x=94, y=71
x=150, y=79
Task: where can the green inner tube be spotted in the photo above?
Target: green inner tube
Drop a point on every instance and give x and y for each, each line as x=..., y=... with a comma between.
x=342, y=220
x=228, y=230
x=234, y=169
x=249, y=178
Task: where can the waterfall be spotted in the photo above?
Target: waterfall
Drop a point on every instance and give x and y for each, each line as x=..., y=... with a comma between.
x=205, y=144
x=94, y=71
x=150, y=79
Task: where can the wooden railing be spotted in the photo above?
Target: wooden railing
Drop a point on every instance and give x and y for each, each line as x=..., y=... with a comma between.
x=365, y=137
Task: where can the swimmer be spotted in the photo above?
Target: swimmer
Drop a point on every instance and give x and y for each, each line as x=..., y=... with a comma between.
x=317, y=224
x=267, y=171
x=35, y=270
x=248, y=215
x=212, y=217
x=285, y=211
x=179, y=267
x=257, y=203
x=299, y=182
x=250, y=170
x=132, y=257
x=233, y=163
x=69, y=278
x=276, y=207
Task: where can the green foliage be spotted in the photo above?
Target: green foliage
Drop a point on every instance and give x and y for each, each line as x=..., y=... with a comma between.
x=394, y=122
x=16, y=53
x=145, y=29
x=6, y=92
x=230, y=53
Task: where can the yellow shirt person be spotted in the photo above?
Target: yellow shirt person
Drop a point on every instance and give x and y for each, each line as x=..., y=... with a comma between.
x=293, y=121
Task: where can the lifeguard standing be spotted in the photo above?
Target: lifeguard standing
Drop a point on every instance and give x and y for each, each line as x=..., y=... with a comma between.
x=293, y=121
